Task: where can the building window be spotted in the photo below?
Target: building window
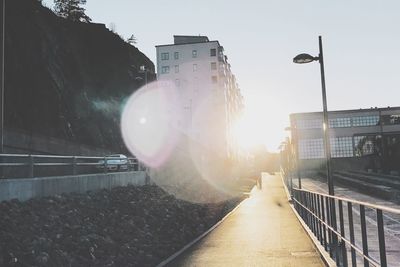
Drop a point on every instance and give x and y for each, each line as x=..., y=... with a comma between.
x=339, y=122
x=309, y=124
x=164, y=56
x=176, y=68
x=194, y=67
x=177, y=82
x=342, y=147
x=364, y=145
x=214, y=79
x=311, y=149
x=165, y=69
x=176, y=55
x=366, y=120
x=213, y=52
x=194, y=53
x=213, y=65
x=390, y=119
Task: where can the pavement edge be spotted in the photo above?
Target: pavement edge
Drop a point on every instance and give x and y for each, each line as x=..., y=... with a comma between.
x=193, y=242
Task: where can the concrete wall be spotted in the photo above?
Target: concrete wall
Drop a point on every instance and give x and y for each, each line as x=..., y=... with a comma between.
x=26, y=188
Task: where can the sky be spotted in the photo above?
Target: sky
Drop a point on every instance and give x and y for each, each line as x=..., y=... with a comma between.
x=361, y=41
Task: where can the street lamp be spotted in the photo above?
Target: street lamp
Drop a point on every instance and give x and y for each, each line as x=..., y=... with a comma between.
x=306, y=58
x=303, y=59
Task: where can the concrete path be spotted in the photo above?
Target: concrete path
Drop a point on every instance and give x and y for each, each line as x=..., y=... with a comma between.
x=263, y=231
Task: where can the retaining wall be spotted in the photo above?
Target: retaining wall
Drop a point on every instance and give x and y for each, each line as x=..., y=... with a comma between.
x=26, y=188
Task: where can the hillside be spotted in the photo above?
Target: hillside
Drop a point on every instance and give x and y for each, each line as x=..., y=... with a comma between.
x=67, y=79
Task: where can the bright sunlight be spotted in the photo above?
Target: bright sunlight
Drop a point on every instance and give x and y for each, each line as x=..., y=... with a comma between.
x=254, y=127
x=249, y=131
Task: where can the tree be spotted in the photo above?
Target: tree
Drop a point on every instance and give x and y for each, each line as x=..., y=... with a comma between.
x=71, y=10
x=132, y=40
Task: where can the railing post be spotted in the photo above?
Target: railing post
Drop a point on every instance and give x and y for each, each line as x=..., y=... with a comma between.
x=313, y=219
x=74, y=161
x=381, y=235
x=323, y=209
x=303, y=210
x=319, y=222
x=317, y=211
x=307, y=196
x=31, y=165
x=334, y=226
x=105, y=164
x=342, y=233
x=328, y=220
x=364, y=234
x=351, y=230
x=315, y=214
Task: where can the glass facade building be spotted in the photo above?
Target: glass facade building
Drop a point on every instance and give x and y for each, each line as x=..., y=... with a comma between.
x=353, y=133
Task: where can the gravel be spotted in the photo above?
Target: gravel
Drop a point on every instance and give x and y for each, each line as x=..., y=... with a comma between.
x=125, y=226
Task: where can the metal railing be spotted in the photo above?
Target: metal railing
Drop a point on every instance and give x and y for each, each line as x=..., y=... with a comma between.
x=31, y=163
x=316, y=211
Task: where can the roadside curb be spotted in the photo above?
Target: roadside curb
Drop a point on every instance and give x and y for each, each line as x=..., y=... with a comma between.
x=193, y=242
x=328, y=261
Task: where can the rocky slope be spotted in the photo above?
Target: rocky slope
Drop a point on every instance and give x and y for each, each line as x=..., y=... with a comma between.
x=67, y=79
x=127, y=226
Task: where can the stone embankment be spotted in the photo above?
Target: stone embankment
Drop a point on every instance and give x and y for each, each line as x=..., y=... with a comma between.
x=125, y=226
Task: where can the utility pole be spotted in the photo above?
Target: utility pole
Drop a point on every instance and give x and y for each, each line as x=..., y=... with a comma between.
x=2, y=34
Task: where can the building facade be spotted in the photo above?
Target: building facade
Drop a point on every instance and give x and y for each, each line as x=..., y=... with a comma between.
x=210, y=96
x=359, y=139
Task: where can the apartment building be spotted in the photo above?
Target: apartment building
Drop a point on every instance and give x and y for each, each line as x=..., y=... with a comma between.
x=210, y=96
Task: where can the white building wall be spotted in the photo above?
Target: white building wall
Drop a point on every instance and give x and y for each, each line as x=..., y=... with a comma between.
x=208, y=96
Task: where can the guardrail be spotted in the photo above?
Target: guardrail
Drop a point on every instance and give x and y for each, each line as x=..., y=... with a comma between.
x=319, y=213
x=32, y=162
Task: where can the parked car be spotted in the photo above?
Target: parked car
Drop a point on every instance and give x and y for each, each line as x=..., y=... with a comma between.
x=117, y=162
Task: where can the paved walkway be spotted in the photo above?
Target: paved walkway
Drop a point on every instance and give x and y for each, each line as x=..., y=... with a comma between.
x=263, y=231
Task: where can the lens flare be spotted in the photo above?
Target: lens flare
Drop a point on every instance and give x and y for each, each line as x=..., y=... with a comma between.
x=158, y=128
x=148, y=123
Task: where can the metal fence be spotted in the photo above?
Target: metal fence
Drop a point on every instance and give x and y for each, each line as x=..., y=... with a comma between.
x=331, y=219
x=27, y=165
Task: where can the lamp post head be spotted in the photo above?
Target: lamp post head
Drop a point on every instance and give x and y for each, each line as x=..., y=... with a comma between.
x=304, y=58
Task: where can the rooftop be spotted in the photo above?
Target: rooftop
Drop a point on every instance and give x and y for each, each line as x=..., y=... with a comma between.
x=189, y=39
x=348, y=110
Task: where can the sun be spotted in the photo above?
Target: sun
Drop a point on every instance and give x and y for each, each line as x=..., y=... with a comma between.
x=249, y=130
